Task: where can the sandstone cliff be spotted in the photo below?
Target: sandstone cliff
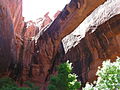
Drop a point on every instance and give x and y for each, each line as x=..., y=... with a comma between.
x=92, y=50
x=6, y=36
x=11, y=27
x=51, y=51
x=38, y=47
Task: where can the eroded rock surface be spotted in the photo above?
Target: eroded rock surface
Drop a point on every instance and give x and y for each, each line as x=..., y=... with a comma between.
x=82, y=56
x=49, y=45
x=87, y=50
x=40, y=45
x=7, y=43
x=96, y=47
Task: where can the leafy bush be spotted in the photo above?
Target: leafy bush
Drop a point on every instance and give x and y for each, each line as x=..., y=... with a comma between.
x=31, y=85
x=64, y=80
x=108, y=77
x=6, y=82
x=15, y=88
x=9, y=84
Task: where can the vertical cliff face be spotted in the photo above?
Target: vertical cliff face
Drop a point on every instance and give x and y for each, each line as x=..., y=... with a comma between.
x=49, y=47
x=6, y=36
x=96, y=47
x=40, y=46
x=90, y=51
x=104, y=44
x=15, y=7
x=11, y=24
x=30, y=31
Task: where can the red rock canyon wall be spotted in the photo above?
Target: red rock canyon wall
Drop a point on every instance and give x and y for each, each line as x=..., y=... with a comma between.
x=40, y=46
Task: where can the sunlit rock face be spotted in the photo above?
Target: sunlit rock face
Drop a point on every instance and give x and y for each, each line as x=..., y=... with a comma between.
x=42, y=45
x=32, y=31
x=49, y=47
x=96, y=18
x=96, y=47
x=86, y=52
x=15, y=7
x=7, y=43
x=86, y=48
x=56, y=14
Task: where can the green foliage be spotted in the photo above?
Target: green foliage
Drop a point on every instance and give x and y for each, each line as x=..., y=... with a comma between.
x=15, y=88
x=108, y=77
x=64, y=80
x=31, y=85
x=9, y=84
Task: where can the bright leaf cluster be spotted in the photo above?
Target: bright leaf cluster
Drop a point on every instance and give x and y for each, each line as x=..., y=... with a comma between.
x=65, y=80
x=108, y=77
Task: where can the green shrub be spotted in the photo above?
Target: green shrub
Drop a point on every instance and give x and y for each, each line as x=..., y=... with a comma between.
x=9, y=84
x=64, y=80
x=31, y=85
x=108, y=77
